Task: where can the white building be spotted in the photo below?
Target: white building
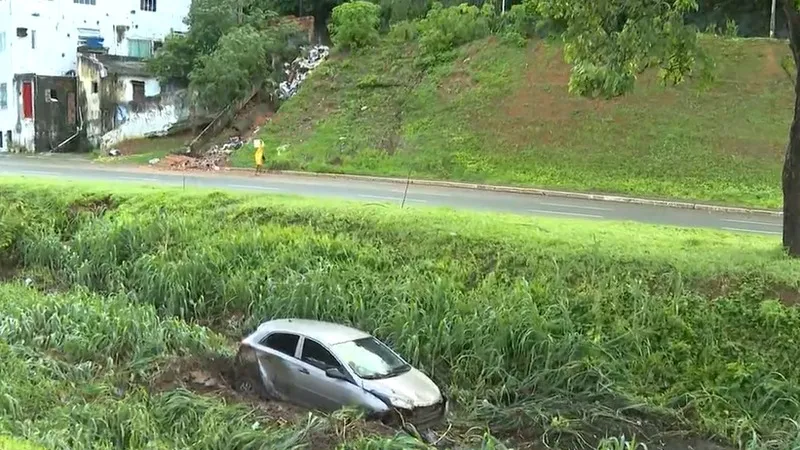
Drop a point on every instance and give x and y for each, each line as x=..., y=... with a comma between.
x=40, y=38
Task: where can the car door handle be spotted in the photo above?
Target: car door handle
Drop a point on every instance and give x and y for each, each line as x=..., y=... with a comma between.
x=304, y=370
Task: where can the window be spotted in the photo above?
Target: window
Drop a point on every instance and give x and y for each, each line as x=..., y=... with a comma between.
x=50, y=96
x=370, y=359
x=33, y=38
x=1, y=140
x=84, y=2
x=148, y=5
x=316, y=355
x=282, y=342
x=3, y=95
x=138, y=91
x=140, y=48
x=2, y=41
x=95, y=87
x=27, y=100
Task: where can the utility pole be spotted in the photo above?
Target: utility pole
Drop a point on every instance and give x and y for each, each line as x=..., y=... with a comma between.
x=772, y=21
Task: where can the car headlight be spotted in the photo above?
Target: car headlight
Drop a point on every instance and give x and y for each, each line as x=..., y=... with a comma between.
x=400, y=402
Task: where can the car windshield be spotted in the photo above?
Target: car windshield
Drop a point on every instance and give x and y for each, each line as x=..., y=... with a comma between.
x=370, y=359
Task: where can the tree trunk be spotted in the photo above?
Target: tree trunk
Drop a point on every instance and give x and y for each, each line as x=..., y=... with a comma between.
x=791, y=165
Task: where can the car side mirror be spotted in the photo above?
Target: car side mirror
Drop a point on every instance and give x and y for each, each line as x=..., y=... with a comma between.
x=336, y=373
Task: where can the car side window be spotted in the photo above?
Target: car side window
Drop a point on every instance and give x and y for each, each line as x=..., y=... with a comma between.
x=282, y=342
x=319, y=357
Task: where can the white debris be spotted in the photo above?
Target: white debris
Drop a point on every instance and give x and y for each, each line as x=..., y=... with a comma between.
x=298, y=70
x=114, y=152
x=154, y=161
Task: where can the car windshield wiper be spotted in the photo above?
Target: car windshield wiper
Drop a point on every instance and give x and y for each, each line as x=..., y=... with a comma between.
x=399, y=370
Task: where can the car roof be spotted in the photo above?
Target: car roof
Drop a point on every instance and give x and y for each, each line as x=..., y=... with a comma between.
x=324, y=332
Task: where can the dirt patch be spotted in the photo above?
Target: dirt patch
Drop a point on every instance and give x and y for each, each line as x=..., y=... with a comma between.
x=541, y=109
x=95, y=206
x=217, y=377
x=789, y=296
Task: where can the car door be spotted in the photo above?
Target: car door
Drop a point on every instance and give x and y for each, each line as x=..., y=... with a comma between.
x=315, y=388
x=276, y=353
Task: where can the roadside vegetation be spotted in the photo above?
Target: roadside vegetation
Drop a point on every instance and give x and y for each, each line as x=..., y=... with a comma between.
x=498, y=113
x=542, y=331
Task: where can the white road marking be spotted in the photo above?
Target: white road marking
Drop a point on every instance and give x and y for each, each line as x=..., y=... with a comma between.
x=392, y=199
x=745, y=230
x=149, y=180
x=379, y=197
x=39, y=172
x=546, y=211
x=432, y=194
x=250, y=186
x=749, y=222
x=561, y=205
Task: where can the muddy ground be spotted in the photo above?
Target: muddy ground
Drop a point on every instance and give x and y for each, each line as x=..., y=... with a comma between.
x=218, y=378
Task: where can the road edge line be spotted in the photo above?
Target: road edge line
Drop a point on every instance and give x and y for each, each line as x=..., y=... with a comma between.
x=541, y=192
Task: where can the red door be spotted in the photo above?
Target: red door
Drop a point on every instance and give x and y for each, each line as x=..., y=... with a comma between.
x=27, y=100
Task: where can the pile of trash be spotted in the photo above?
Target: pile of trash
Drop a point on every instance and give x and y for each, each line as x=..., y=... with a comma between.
x=298, y=70
x=213, y=159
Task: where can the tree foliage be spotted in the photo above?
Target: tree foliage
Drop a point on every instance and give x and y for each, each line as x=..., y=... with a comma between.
x=609, y=42
x=355, y=24
x=442, y=29
x=232, y=46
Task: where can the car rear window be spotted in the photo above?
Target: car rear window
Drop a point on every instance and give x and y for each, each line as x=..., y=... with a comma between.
x=283, y=342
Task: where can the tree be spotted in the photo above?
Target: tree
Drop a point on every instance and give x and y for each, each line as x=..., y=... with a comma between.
x=355, y=24
x=791, y=164
x=609, y=42
x=232, y=47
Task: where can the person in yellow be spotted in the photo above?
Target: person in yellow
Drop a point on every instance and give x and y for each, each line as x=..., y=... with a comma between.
x=259, y=155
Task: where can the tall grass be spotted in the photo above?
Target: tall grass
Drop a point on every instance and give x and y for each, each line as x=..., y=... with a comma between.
x=566, y=328
x=75, y=371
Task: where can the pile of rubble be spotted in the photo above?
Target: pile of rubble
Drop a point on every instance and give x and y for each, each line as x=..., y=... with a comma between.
x=213, y=159
x=298, y=70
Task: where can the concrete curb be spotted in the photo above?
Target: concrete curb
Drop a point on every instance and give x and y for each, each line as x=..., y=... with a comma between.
x=534, y=191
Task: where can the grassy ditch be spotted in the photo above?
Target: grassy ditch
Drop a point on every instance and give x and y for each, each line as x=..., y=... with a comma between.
x=544, y=330
x=79, y=371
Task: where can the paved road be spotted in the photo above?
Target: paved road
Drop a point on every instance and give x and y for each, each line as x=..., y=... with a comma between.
x=392, y=192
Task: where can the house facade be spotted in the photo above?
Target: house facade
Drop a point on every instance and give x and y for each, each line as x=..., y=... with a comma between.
x=39, y=47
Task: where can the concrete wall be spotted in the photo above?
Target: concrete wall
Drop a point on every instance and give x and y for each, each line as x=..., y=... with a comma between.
x=112, y=115
x=55, y=112
x=8, y=114
x=56, y=117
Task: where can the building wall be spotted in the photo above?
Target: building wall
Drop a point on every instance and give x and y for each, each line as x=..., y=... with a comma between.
x=56, y=119
x=49, y=43
x=8, y=113
x=24, y=131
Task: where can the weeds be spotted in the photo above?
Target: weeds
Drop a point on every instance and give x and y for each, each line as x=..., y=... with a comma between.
x=565, y=330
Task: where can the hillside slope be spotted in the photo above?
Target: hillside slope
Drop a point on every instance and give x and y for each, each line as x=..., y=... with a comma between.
x=502, y=114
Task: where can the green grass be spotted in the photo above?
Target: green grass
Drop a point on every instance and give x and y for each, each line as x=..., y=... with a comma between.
x=82, y=372
x=565, y=330
x=501, y=114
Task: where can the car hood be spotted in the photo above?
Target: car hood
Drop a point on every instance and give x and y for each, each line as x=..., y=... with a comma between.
x=412, y=387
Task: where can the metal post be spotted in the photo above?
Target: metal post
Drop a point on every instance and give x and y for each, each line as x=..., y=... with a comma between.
x=772, y=21
x=503, y=7
x=405, y=193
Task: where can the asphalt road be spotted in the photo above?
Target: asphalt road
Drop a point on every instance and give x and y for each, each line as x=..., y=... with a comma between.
x=456, y=198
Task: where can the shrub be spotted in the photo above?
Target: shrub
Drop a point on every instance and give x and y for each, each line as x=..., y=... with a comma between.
x=355, y=24
x=446, y=28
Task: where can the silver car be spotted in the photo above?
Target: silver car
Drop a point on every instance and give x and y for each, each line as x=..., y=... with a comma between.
x=326, y=366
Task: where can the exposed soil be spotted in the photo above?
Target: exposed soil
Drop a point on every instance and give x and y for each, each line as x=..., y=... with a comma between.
x=722, y=286
x=209, y=376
